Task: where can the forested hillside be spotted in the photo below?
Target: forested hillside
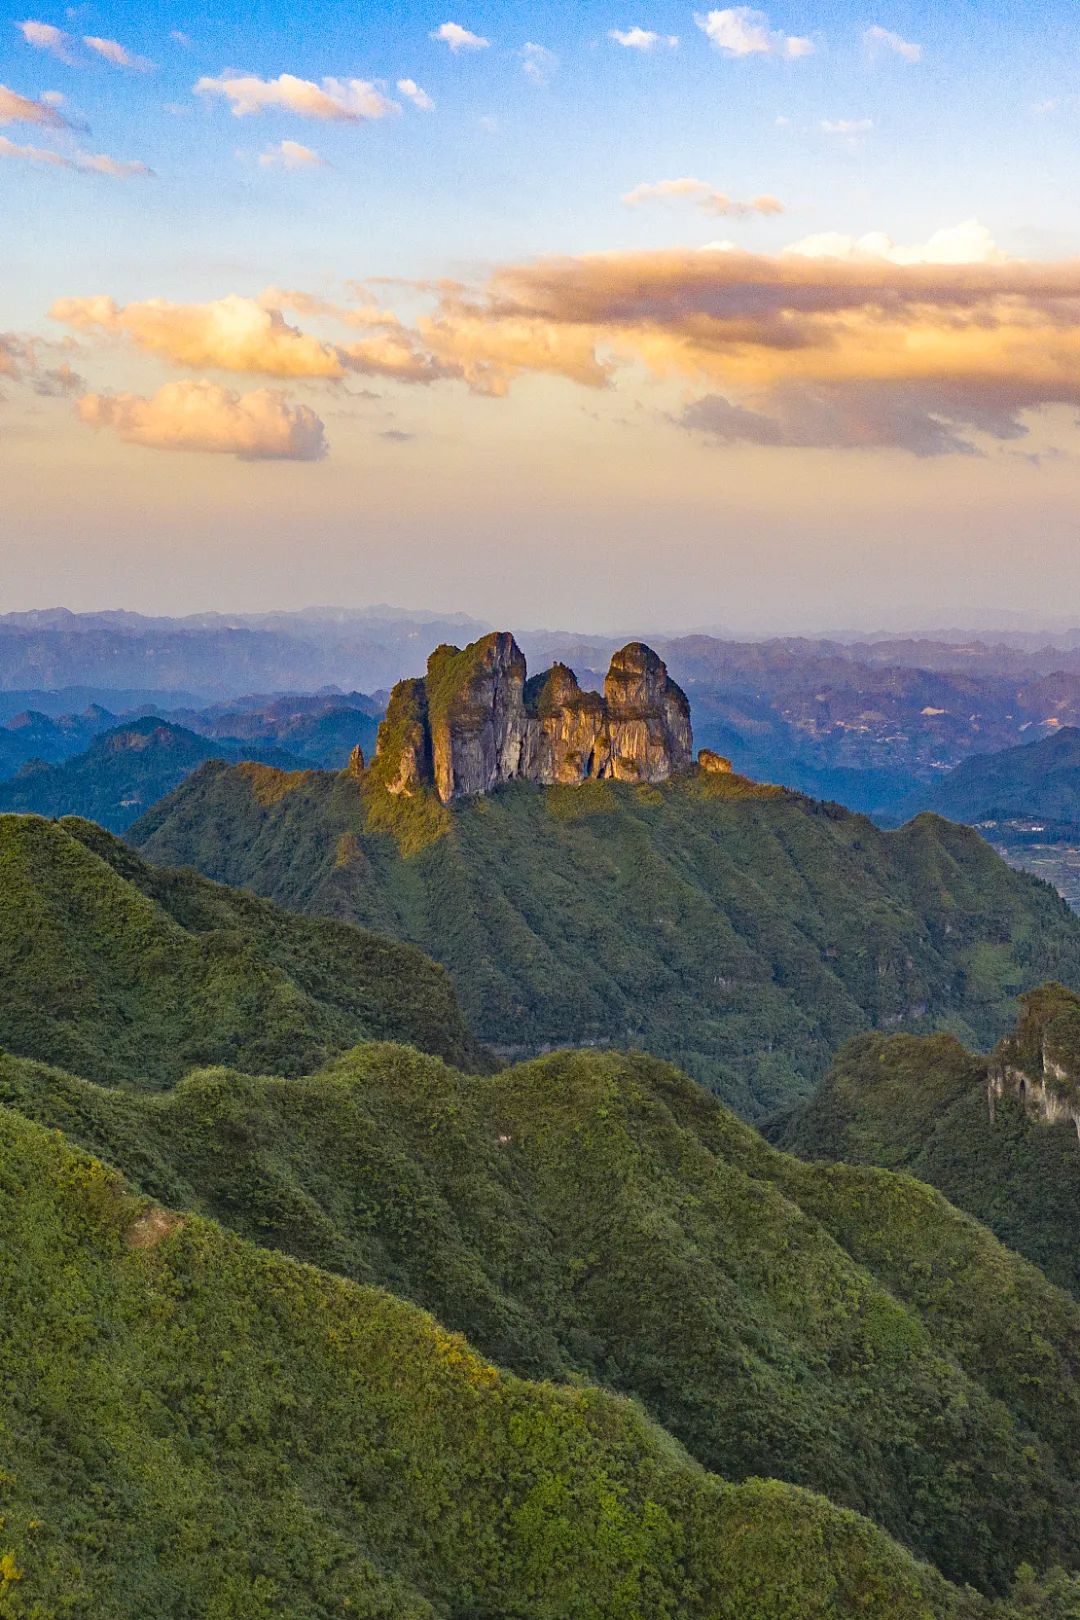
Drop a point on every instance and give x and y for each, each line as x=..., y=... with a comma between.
x=739, y=930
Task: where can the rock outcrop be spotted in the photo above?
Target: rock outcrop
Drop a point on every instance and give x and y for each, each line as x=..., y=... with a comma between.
x=1039, y=1063
x=477, y=721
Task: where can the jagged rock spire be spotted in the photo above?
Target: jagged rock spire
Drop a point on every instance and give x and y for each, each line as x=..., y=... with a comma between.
x=476, y=721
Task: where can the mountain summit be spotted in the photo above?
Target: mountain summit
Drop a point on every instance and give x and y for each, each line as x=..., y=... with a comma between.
x=477, y=721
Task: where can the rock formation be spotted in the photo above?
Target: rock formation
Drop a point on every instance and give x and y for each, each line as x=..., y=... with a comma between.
x=1039, y=1063
x=715, y=764
x=476, y=721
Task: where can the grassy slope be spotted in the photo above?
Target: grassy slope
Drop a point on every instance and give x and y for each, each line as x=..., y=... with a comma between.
x=121, y=972
x=740, y=931
x=193, y=1427
x=600, y=1217
x=921, y=1106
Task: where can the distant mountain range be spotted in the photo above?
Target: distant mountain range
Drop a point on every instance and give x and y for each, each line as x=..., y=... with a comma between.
x=868, y=722
x=1035, y=787
x=124, y=771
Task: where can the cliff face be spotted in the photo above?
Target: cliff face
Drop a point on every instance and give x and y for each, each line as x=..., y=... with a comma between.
x=1040, y=1062
x=476, y=721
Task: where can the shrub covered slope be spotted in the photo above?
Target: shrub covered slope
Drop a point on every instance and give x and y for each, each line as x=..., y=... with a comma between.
x=121, y=972
x=191, y=1426
x=921, y=1105
x=597, y=1217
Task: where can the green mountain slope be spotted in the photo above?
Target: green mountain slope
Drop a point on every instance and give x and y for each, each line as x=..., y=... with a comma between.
x=739, y=930
x=123, y=772
x=190, y=1426
x=921, y=1105
x=1038, y=780
x=597, y=1217
x=122, y=972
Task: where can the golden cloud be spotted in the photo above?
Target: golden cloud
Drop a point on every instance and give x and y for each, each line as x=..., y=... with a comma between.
x=231, y=334
x=190, y=415
x=252, y=335
x=886, y=351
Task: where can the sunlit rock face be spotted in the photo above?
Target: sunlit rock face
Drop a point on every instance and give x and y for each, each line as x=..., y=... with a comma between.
x=476, y=713
x=648, y=717
x=568, y=737
x=476, y=722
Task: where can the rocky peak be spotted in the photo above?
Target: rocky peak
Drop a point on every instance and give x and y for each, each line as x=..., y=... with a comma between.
x=1039, y=1063
x=476, y=721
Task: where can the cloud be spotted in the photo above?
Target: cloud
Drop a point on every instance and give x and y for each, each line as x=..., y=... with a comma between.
x=44, y=37
x=920, y=350
x=178, y=37
x=252, y=336
x=847, y=126
x=458, y=38
x=340, y=101
x=59, y=381
x=703, y=195
x=412, y=92
x=642, y=39
x=15, y=355
x=538, y=63
x=117, y=54
x=742, y=31
x=967, y=243
x=880, y=39
x=290, y=155
x=16, y=109
x=77, y=162
x=232, y=334
x=189, y=415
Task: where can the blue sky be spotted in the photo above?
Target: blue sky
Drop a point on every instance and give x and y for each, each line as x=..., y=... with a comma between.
x=967, y=111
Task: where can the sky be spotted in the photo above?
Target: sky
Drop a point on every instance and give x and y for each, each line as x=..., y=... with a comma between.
x=583, y=315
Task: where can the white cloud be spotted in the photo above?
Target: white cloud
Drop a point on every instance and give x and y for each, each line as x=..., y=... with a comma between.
x=846, y=126
x=44, y=37
x=290, y=155
x=76, y=162
x=882, y=39
x=458, y=38
x=412, y=92
x=706, y=197
x=190, y=415
x=178, y=37
x=343, y=101
x=967, y=243
x=117, y=54
x=16, y=109
x=742, y=31
x=642, y=39
x=538, y=63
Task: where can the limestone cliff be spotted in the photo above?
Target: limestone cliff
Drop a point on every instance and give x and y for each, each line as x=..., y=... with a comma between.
x=1039, y=1063
x=476, y=721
